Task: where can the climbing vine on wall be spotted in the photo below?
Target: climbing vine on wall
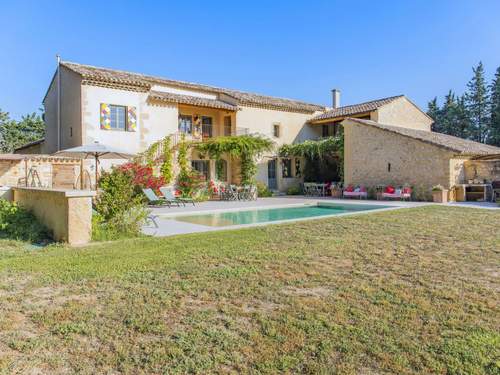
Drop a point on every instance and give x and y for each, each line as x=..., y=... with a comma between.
x=246, y=147
x=325, y=152
x=182, y=156
x=166, y=168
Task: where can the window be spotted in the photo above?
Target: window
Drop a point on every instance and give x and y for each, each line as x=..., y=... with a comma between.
x=286, y=168
x=298, y=169
x=227, y=125
x=185, y=124
x=388, y=167
x=221, y=170
x=206, y=126
x=118, y=117
x=70, y=131
x=324, y=130
x=202, y=167
x=276, y=130
x=330, y=130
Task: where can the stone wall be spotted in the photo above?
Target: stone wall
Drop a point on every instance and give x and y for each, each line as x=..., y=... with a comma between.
x=67, y=213
x=375, y=156
x=51, y=172
x=488, y=170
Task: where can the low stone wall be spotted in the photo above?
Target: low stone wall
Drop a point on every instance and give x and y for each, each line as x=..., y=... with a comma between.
x=67, y=213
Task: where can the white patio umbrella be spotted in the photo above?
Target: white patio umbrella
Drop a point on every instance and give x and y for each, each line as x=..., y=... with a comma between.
x=95, y=151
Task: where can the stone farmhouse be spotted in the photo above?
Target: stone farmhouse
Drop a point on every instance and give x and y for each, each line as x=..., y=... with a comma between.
x=386, y=141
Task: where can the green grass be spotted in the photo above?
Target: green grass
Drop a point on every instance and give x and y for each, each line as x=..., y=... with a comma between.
x=409, y=292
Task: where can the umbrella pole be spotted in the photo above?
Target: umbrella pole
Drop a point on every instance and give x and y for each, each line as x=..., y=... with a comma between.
x=96, y=169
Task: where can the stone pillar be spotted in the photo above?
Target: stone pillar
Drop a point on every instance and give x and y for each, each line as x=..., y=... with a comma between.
x=67, y=213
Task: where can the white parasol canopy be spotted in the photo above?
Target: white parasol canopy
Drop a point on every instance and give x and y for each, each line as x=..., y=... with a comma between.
x=95, y=151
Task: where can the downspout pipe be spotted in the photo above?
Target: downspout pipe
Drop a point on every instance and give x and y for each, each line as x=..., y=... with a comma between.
x=58, y=102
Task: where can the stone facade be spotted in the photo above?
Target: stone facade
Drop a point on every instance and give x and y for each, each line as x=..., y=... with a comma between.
x=488, y=170
x=50, y=172
x=376, y=157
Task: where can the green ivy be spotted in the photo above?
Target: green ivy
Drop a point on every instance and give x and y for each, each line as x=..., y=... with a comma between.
x=166, y=168
x=182, y=156
x=245, y=147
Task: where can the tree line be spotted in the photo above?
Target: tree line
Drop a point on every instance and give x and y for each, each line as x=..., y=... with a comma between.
x=14, y=133
x=474, y=115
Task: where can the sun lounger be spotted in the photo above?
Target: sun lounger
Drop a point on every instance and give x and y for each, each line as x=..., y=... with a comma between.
x=169, y=194
x=154, y=200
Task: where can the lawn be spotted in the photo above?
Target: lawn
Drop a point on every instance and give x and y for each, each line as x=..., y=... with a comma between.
x=409, y=292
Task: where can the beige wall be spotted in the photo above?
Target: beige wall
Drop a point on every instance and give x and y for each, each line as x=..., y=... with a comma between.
x=368, y=151
x=402, y=112
x=70, y=112
x=153, y=121
x=67, y=213
x=260, y=120
x=293, y=129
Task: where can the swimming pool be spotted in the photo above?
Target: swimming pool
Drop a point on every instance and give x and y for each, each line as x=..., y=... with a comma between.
x=263, y=215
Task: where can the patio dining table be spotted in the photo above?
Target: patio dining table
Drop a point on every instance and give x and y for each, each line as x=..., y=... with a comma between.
x=315, y=189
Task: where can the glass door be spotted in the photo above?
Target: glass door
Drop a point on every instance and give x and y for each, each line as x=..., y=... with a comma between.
x=271, y=174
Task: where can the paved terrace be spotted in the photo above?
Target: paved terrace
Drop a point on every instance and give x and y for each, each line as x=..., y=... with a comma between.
x=162, y=222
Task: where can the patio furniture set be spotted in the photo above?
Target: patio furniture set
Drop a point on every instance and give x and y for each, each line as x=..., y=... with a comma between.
x=336, y=190
x=235, y=193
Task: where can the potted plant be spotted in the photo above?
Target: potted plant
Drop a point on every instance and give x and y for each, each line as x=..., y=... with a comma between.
x=336, y=191
x=439, y=194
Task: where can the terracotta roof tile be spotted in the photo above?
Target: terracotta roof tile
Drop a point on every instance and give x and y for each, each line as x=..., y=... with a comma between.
x=459, y=145
x=354, y=109
x=191, y=100
x=93, y=75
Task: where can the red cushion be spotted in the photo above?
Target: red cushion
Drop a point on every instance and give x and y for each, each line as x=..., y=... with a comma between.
x=390, y=189
x=349, y=189
x=407, y=190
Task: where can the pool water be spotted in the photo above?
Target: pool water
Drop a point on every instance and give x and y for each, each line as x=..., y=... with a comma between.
x=224, y=219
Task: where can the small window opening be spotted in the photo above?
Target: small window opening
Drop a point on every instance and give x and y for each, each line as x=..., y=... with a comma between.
x=388, y=167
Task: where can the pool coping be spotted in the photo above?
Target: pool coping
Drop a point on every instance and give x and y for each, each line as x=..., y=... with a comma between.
x=189, y=228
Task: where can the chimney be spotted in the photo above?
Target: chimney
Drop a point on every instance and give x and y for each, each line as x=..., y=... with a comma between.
x=335, y=98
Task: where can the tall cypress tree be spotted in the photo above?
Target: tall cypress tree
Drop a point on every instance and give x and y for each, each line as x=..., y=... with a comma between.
x=494, y=136
x=434, y=111
x=477, y=105
x=448, y=114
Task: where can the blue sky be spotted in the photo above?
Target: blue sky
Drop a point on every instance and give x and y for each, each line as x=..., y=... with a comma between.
x=296, y=49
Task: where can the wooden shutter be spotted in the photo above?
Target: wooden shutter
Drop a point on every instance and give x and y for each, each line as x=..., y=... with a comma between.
x=132, y=119
x=105, y=116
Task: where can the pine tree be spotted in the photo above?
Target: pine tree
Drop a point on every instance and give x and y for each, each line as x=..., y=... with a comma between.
x=448, y=115
x=494, y=128
x=463, y=123
x=477, y=105
x=434, y=112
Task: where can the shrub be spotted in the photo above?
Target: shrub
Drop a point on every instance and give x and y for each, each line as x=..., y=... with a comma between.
x=191, y=184
x=293, y=190
x=119, y=209
x=19, y=224
x=142, y=177
x=263, y=191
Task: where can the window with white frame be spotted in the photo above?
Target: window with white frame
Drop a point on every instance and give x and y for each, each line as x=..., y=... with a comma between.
x=118, y=117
